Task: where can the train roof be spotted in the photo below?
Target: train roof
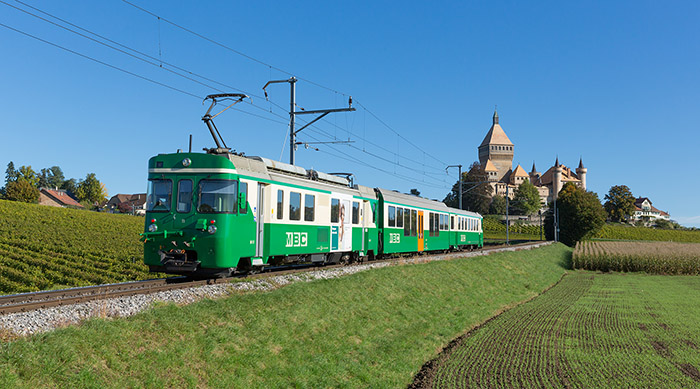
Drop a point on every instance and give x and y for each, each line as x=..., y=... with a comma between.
x=268, y=169
x=402, y=198
x=464, y=213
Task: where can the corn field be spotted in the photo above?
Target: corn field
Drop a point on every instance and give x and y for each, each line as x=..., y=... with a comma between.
x=649, y=257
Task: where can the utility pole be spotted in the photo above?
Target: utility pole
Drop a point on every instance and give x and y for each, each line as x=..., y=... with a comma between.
x=293, y=112
x=507, y=214
x=460, y=182
x=555, y=223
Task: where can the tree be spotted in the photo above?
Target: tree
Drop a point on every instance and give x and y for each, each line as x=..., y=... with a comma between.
x=89, y=190
x=619, y=203
x=527, y=199
x=11, y=174
x=21, y=190
x=28, y=174
x=70, y=185
x=415, y=192
x=580, y=215
x=498, y=205
x=476, y=191
x=51, y=177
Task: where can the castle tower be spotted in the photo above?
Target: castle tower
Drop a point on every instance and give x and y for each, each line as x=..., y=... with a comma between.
x=497, y=148
x=534, y=174
x=556, y=182
x=491, y=171
x=581, y=173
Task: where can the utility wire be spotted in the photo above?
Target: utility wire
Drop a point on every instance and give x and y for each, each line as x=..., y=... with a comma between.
x=230, y=48
x=171, y=71
x=270, y=66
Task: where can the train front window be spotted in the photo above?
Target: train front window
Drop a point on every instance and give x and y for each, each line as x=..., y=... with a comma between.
x=184, y=196
x=217, y=196
x=159, y=194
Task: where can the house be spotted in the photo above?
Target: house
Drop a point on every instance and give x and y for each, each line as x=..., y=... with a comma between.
x=57, y=198
x=128, y=203
x=643, y=210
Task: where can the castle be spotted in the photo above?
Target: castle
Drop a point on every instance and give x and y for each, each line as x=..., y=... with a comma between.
x=496, y=158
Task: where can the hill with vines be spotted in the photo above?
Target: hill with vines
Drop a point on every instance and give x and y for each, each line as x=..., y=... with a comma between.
x=45, y=247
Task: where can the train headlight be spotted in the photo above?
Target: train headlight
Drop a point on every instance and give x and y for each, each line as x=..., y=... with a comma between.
x=152, y=228
x=186, y=162
x=211, y=229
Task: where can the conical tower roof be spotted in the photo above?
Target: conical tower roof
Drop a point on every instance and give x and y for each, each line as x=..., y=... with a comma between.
x=490, y=167
x=496, y=135
x=519, y=172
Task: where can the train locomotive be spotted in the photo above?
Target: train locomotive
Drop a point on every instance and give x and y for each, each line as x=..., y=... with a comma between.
x=218, y=213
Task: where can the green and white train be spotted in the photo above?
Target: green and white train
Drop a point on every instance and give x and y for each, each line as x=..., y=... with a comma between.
x=218, y=213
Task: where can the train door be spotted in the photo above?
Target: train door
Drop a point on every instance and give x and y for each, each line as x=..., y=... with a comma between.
x=420, y=231
x=259, y=220
x=341, y=223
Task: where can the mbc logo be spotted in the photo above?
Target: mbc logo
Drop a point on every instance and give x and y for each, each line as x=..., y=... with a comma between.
x=297, y=239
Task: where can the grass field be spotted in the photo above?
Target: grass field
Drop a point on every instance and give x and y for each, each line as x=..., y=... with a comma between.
x=44, y=247
x=371, y=329
x=623, y=232
x=591, y=330
x=650, y=257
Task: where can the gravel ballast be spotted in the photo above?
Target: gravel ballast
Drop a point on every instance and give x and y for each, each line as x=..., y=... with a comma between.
x=47, y=319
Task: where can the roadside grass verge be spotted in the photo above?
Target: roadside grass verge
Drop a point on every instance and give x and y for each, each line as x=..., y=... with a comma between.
x=371, y=329
x=591, y=330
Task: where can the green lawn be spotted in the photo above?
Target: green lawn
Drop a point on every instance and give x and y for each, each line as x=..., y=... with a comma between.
x=591, y=330
x=371, y=329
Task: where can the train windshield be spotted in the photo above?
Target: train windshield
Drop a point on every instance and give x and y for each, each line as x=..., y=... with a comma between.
x=217, y=196
x=159, y=194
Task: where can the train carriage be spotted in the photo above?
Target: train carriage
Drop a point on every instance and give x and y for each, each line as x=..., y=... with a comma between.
x=466, y=229
x=218, y=214
x=412, y=224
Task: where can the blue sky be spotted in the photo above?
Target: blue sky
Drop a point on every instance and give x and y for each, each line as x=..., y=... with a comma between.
x=616, y=83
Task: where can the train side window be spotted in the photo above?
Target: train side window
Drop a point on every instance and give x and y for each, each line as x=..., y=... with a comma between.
x=438, y=224
x=335, y=210
x=294, y=206
x=309, y=207
x=452, y=222
x=355, y=212
x=280, y=203
x=184, y=196
x=399, y=217
x=392, y=216
x=414, y=222
x=243, y=206
x=431, y=217
x=374, y=213
x=406, y=222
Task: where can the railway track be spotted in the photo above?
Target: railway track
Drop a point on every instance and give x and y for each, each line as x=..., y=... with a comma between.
x=44, y=299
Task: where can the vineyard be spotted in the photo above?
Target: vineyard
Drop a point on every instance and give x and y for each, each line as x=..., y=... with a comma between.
x=620, y=232
x=47, y=248
x=650, y=257
x=591, y=330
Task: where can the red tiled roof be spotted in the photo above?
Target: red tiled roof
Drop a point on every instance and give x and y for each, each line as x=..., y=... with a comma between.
x=62, y=197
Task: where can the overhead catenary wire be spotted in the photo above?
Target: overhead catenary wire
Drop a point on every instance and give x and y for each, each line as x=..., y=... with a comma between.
x=189, y=78
x=270, y=66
